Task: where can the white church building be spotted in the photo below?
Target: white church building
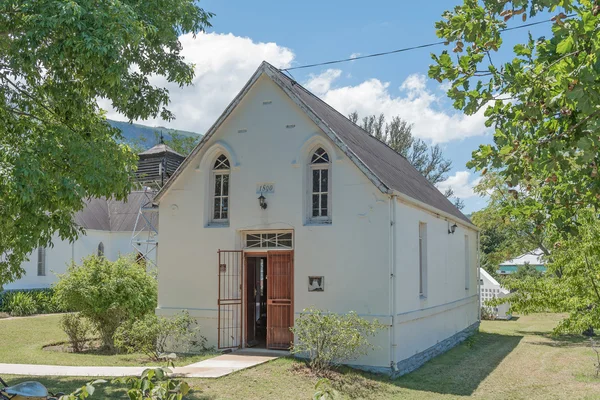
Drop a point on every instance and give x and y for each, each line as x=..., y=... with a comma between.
x=286, y=204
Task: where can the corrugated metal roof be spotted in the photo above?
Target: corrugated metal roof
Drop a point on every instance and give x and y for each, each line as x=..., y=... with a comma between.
x=160, y=149
x=534, y=257
x=111, y=215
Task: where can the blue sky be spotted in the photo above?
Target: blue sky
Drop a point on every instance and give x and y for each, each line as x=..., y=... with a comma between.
x=297, y=33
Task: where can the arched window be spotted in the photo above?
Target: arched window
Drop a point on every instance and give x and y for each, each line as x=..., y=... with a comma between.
x=100, y=249
x=319, y=184
x=220, y=179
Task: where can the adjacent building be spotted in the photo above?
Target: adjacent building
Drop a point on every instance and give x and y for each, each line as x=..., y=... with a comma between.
x=533, y=258
x=490, y=289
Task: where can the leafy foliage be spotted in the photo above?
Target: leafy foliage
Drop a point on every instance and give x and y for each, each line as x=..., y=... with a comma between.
x=571, y=283
x=154, y=335
x=77, y=329
x=329, y=339
x=21, y=304
x=324, y=390
x=507, y=227
x=397, y=134
x=543, y=105
x=56, y=147
x=44, y=301
x=108, y=293
x=155, y=384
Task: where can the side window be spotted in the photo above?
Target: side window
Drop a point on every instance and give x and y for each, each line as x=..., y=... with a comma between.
x=41, y=261
x=467, y=263
x=423, y=259
x=319, y=187
x=220, y=190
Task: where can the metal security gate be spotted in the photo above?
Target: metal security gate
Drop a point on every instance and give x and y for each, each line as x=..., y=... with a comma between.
x=231, y=279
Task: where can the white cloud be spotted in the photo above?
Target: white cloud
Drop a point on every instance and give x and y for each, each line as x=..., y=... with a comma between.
x=224, y=63
x=354, y=55
x=321, y=84
x=415, y=103
x=461, y=183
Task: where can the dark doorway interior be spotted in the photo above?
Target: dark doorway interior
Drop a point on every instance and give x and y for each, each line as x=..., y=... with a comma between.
x=256, y=307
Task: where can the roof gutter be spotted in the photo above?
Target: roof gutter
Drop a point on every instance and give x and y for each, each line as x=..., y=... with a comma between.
x=437, y=212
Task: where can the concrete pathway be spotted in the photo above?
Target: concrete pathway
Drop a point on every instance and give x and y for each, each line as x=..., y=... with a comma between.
x=211, y=368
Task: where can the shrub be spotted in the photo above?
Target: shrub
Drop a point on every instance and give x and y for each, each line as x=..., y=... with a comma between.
x=328, y=339
x=487, y=313
x=21, y=304
x=76, y=328
x=153, y=335
x=107, y=293
x=44, y=300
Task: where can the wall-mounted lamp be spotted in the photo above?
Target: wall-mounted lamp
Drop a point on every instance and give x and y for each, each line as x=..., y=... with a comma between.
x=451, y=229
x=261, y=201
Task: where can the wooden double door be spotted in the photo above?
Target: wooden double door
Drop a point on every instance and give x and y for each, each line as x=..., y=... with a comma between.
x=269, y=295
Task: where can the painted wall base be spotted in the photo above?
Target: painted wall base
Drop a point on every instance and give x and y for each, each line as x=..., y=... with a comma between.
x=412, y=363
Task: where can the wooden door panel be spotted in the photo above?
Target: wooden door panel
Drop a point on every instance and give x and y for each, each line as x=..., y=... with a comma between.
x=280, y=294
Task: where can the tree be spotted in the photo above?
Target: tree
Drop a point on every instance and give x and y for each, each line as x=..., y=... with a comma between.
x=397, y=134
x=527, y=270
x=508, y=227
x=544, y=104
x=571, y=283
x=56, y=59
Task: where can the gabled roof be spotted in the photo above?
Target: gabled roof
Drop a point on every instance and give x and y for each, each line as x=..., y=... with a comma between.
x=388, y=170
x=533, y=258
x=112, y=215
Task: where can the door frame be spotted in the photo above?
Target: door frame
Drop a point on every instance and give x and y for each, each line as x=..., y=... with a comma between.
x=246, y=255
x=263, y=253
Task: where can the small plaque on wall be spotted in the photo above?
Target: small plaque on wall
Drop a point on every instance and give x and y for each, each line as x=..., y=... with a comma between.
x=265, y=187
x=316, y=283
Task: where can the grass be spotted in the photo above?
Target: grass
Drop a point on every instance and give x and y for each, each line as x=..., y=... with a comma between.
x=506, y=360
x=22, y=341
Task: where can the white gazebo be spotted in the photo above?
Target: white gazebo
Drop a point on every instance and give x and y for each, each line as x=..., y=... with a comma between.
x=491, y=289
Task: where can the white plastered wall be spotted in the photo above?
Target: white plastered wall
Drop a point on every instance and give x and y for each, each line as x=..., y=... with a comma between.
x=447, y=307
x=352, y=253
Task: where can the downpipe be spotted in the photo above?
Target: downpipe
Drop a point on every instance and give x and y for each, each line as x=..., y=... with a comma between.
x=392, y=288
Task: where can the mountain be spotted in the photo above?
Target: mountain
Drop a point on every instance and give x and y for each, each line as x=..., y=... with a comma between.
x=145, y=135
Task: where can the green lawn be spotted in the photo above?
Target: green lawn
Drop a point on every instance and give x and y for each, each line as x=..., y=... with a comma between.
x=22, y=341
x=506, y=360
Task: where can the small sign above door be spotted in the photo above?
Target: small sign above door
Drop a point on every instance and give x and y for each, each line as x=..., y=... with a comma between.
x=265, y=187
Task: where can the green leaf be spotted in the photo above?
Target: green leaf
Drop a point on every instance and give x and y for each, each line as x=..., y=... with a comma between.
x=565, y=46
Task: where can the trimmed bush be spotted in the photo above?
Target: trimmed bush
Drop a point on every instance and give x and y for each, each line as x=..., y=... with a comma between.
x=154, y=336
x=328, y=339
x=77, y=329
x=107, y=293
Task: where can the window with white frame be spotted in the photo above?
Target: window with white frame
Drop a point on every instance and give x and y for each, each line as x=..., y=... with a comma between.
x=467, y=263
x=423, y=259
x=319, y=184
x=220, y=185
x=269, y=240
x=41, y=261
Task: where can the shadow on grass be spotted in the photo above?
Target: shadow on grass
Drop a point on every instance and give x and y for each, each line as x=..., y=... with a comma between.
x=461, y=370
x=557, y=340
